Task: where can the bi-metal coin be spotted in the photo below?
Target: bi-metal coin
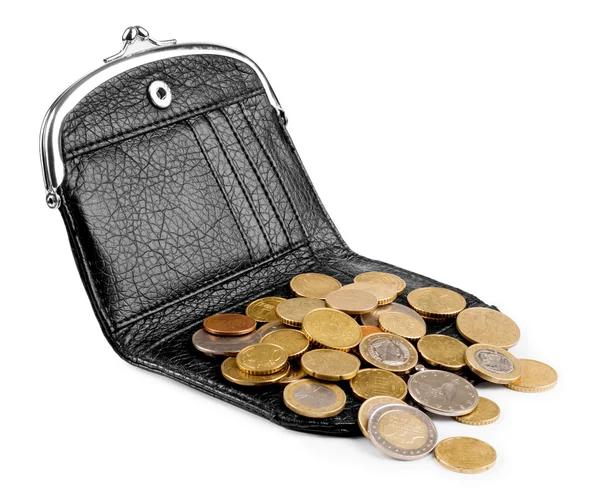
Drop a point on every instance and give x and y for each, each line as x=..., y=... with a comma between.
x=314, y=399
x=261, y=359
x=372, y=318
x=382, y=278
x=263, y=310
x=313, y=285
x=388, y=351
x=486, y=412
x=535, y=378
x=465, y=455
x=442, y=351
x=292, y=311
x=227, y=325
x=218, y=346
x=377, y=382
x=332, y=329
x=443, y=393
x=402, y=432
x=369, y=406
x=484, y=325
x=330, y=365
x=232, y=373
x=493, y=364
x=436, y=302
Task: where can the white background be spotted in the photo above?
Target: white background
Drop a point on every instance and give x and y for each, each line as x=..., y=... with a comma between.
x=455, y=139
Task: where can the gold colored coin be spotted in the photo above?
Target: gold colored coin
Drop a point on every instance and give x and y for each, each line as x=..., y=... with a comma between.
x=377, y=382
x=351, y=301
x=313, y=285
x=231, y=372
x=263, y=310
x=385, y=293
x=486, y=412
x=383, y=278
x=271, y=327
x=330, y=365
x=292, y=311
x=402, y=324
x=436, y=302
x=314, y=399
x=465, y=455
x=388, y=351
x=296, y=373
x=442, y=351
x=373, y=403
x=261, y=359
x=332, y=329
x=494, y=364
x=369, y=330
x=372, y=318
x=536, y=377
x=294, y=342
x=484, y=325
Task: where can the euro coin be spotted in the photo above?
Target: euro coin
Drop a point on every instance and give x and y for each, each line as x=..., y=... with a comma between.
x=403, y=325
x=271, y=327
x=442, y=351
x=292, y=311
x=263, y=310
x=313, y=285
x=372, y=318
x=229, y=324
x=330, y=365
x=369, y=330
x=486, y=412
x=314, y=399
x=261, y=359
x=296, y=373
x=484, y=325
x=351, y=301
x=436, y=302
x=388, y=351
x=232, y=373
x=332, y=329
x=294, y=342
x=493, y=364
x=385, y=293
x=402, y=432
x=443, y=393
x=383, y=278
x=465, y=455
x=377, y=382
x=218, y=346
x=535, y=378
x=369, y=406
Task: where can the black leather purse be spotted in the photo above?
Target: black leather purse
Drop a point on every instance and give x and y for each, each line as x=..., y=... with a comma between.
x=183, y=196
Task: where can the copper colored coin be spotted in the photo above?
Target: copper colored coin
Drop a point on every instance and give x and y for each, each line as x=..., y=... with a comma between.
x=369, y=330
x=229, y=325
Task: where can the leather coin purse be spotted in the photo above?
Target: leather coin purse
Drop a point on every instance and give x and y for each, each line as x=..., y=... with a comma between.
x=183, y=196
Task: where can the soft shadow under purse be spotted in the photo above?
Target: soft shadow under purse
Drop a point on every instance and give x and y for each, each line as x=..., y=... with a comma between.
x=183, y=196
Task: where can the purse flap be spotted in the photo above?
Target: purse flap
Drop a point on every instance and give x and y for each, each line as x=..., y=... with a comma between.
x=179, y=211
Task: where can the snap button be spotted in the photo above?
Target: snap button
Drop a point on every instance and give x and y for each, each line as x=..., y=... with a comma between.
x=160, y=94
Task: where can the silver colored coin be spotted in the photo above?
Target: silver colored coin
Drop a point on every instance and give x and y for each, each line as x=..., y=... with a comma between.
x=494, y=361
x=443, y=393
x=223, y=346
x=372, y=318
x=389, y=352
x=315, y=396
x=271, y=327
x=402, y=432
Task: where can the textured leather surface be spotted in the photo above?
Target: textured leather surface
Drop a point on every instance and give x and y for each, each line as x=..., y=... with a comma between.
x=176, y=214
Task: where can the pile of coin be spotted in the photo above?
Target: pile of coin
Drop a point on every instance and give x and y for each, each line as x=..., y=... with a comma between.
x=312, y=340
